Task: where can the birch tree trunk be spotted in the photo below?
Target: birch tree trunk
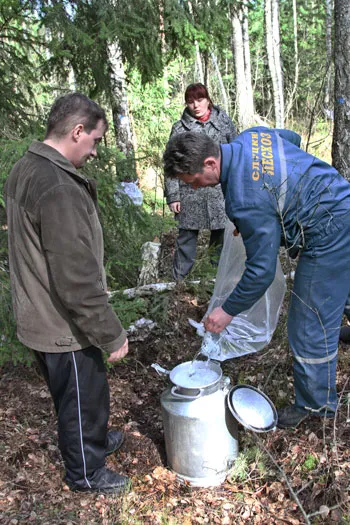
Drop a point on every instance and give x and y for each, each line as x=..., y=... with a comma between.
x=241, y=54
x=292, y=95
x=119, y=101
x=273, y=47
x=341, y=134
x=199, y=67
x=221, y=83
x=329, y=55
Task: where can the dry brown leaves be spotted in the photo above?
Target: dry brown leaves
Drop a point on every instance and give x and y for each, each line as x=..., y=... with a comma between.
x=314, y=458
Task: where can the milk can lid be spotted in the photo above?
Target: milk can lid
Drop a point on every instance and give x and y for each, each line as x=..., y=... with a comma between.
x=252, y=408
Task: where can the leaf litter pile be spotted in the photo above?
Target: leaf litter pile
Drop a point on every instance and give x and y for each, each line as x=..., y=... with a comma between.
x=284, y=476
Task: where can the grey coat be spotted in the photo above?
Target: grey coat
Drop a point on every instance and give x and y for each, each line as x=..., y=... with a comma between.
x=203, y=208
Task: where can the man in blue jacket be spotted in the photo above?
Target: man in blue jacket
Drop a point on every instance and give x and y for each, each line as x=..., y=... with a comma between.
x=273, y=191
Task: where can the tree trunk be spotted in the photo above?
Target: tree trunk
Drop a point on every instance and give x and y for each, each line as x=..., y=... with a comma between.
x=199, y=67
x=221, y=83
x=296, y=60
x=119, y=102
x=341, y=135
x=273, y=47
x=329, y=55
x=246, y=51
x=244, y=91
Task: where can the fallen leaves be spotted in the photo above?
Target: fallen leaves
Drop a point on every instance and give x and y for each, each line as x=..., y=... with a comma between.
x=31, y=471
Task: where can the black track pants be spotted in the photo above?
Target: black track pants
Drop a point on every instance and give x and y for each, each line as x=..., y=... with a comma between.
x=79, y=388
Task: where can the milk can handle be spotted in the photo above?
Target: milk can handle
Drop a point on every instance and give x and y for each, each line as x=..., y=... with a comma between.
x=184, y=396
x=160, y=370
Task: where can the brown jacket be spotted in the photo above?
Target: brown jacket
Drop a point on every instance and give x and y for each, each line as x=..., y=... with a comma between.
x=56, y=257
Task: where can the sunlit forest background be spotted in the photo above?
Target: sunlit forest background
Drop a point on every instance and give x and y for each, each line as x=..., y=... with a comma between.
x=265, y=62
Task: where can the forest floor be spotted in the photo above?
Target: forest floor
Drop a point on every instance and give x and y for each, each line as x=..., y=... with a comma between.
x=281, y=477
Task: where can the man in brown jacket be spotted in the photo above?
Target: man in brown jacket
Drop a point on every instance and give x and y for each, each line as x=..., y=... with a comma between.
x=59, y=286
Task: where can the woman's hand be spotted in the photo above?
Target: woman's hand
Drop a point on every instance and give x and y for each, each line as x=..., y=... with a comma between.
x=217, y=320
x=175, y=207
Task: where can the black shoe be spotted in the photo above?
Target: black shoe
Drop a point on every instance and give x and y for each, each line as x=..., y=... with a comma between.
x=103, y=480
x=290, y=417
x=344, y=335
x=115, y=440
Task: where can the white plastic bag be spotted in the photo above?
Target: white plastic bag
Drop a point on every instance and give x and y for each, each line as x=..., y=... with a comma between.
x=251, y=330
x=130, y=189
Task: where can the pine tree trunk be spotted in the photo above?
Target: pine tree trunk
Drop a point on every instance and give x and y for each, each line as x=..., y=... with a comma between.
x=341, y=134
x=273, y=47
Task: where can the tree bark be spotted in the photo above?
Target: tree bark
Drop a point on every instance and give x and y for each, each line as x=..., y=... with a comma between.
x=221, y=83
x=329, y=56
x=296, y=60
x=341, y=134
x=243, y=83
x=119, y=101
x=273, y=47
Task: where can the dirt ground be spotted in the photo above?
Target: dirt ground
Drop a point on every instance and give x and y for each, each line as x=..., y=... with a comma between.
x=293, y=477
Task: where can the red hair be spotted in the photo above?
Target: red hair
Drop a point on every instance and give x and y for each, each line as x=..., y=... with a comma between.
x=196, y=91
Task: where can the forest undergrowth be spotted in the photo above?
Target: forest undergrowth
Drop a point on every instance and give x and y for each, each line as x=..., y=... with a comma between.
x=293, y=477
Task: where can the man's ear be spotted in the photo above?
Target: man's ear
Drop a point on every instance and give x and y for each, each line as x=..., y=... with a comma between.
x=210, y=162
x=77, y=132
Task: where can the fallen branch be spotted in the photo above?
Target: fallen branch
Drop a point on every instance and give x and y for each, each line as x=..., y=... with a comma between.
x=149, y=289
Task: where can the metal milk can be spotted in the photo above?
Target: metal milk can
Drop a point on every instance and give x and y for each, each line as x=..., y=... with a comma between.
x=199, y=430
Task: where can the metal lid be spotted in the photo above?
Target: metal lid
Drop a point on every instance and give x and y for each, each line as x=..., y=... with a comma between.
x=252, y=408
x=196, y=374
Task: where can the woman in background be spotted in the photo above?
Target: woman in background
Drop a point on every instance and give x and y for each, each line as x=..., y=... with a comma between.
x=203, y=208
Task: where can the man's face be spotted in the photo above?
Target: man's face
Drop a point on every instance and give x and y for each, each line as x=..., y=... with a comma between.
x=86, y=144
x=210, y=175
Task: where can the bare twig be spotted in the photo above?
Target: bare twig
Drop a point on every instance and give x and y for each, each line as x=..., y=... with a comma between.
x=284, y=476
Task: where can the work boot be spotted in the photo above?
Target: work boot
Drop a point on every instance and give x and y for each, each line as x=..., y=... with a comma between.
x=115, y=440
x=344, y=335
x=290, y=417
x=103, y=480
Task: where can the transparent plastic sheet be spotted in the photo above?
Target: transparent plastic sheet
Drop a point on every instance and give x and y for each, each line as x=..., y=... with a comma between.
x=130, y=189
x=252, y=330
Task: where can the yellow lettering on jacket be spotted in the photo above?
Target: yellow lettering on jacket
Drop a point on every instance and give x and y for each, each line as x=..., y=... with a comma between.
x=262, y=155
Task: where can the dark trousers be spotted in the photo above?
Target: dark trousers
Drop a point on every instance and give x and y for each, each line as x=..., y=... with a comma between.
x=80, y=392
x=185, y=250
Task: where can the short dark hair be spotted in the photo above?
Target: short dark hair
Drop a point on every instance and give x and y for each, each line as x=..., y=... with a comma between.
x=70, y=110
x=196, y=91
x=186, y=152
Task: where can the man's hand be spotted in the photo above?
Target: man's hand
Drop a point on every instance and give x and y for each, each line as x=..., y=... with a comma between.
x=175, y=207
x=217, y=320
x=119, y=354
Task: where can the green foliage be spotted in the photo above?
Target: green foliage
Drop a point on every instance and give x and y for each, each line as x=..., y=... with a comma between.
x=310, y=463
x=154, y=307
x=11, y=350
x=20, y=44
x=11, y=151
x=153, y=114
x=126, y=228
x=249, y=464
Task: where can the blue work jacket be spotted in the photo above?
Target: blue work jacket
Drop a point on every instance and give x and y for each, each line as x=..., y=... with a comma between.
x=274, y=190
